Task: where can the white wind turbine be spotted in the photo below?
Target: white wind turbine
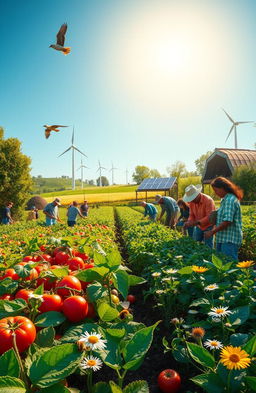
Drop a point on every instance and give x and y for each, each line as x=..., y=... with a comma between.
x=126, y=175
x=73, y=148
x=82, y=172
x=99, y=169
x=112, y=169
x=234, y=125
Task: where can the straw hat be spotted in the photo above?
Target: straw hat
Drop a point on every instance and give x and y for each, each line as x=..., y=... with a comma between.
x=158, y=197
x=191, y=192
x=57, y=201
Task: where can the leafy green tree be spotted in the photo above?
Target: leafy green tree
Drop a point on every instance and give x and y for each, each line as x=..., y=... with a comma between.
x=15, y=179
x=178, y=169
x=200, y=162
x=154, y=173
x=104, y=181
x=245, y=177
x=141, y=172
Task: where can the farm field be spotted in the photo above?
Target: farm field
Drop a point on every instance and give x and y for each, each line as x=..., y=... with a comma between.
x=176, y=288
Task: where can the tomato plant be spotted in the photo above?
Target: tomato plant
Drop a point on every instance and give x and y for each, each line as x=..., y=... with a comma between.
x=23, y=294
x=23, y=329
x=169, y=381
x=61, y=258
x=75, y=308
x=75, y=263
x=50, y=303
x=70, y=282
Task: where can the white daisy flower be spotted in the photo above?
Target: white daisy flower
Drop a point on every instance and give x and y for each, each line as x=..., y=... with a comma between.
x=219, y=312
x=171, y=271
x=213, y=344
x=94, y=339
x=192, y=312
x=156, y=274
x=179, y=256
x=91, y=362
x=166, y=279
x=35, y=296
x=159, y=291
x=211, y=287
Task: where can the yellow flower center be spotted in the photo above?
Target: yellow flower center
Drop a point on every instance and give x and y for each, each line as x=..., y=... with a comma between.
x=214, y=344
x=234, y=358
x=91, y=362
x=93, y=339
x=219, y=311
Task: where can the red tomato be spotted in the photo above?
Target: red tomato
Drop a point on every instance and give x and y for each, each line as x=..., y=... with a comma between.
x=50, y=303
x=11, y=273
x=48, y=282
x=6, y=296
x=47, y=258
x=88, y=266
x=75, y=308
x=76, y=263
x=25, y=332
x=23, y=294
x=28, y=258
x=61, y=258
x=131, y=299
x=70, y=282
x=82, y=255
x=40, y=267
x=169, y=381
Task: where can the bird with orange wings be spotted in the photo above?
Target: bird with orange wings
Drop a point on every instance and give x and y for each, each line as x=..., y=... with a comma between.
x=49, y=129
x=61, y=40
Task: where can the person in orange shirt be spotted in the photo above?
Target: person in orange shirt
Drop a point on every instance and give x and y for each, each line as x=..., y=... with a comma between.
x=200, y=205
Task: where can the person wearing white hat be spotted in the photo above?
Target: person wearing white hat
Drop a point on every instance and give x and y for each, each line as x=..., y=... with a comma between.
x=200, y=207
x=170, y=207
x=51, y=212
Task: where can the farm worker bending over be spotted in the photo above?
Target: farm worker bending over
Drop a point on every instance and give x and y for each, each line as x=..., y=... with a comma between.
x=229, y=220
x=150, y=210
x=6, y=214
x=170, y=207
x=52, y=212
x=84, y=209
x=200, y=207
x=72, y=214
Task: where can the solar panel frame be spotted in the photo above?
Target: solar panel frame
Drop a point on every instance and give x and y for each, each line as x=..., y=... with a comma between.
x=157, y=184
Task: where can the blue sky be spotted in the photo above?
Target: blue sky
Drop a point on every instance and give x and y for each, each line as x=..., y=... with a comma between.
x=144, y=83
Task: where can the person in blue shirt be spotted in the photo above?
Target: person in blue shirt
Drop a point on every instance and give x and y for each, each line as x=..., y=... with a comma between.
x=170, y=207
x=72, y=214
x=6, y=214
x=150, y=210
x=51, y=212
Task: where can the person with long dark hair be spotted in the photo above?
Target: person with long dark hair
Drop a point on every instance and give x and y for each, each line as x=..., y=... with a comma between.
x=184, y=215
x=228, y=227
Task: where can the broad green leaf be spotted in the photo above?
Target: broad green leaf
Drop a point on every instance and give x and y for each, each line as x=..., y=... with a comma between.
x=93, y=274
x=239, y=315
x=60, y=272
x=23, y=270
x=12, y=307
x=135, y=280
x=45, y=337
x=73, y=334
x=200, y=302
x=57, y=388
x=96, y=291
x=11, y=385
x=106, y=312
x=9, y=364
x=211, y=383
x=137, y=387
x=50, y=318
x=185, y=270
x=114, y=258
x=238, y=339
x=201, y=355
x=101, y=387
x=117, y=333
x=99, y=257
x=55, y=364
x=111, y=353
x=217, y=262
x=115, y=388
x=138, y=346
x=121, y=282
x=39, y=290
x=250, y=346
x=8, y=286
x=251, y=382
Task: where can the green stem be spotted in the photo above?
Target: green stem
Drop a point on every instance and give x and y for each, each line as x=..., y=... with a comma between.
x=89, y=381
x=229, y=379
x=121, y=378
x=22, y=370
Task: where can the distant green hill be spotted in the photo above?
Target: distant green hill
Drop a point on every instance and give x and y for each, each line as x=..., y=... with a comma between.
x=50, y=184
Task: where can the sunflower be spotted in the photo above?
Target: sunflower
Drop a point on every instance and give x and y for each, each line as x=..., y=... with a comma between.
x=199, y=269
x=234, y=358
x=245, y=264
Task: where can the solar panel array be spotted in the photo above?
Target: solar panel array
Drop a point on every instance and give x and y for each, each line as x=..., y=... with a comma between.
x=159, y=183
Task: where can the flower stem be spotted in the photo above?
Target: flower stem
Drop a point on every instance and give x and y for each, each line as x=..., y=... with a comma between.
x=22, y=370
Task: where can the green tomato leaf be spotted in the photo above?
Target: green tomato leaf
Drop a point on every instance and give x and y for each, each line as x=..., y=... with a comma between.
x=121, y=282
x=9, y=364
x=11, y=385
x=101, y=387
x=107, y=313
x=137, y=387
x=201, y=355
x=251, y=382
x=45, y=337
x=250, y=346
x=135, y=280
x=54, y=365
x=239, y=315
x=211, y=383
x=57, y=388
x=50, y=318
x=8, y=286
x=12, y=307
x=73, y=334
x=185, y=270
x=115, y=388
x=96, y=291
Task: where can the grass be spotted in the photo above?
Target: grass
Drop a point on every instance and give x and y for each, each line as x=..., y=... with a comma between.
x=92, y=190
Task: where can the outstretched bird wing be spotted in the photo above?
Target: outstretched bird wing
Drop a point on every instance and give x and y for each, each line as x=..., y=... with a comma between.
x=56, y=126
x=47, y=133
x=61, y=34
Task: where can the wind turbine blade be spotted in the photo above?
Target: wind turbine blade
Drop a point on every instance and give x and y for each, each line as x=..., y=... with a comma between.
x=65, y=151
x=79, y=168
x=79, y=151
x=243, y=122
x=72, y=140
x=103, y=168
x=233, y=126
x=230, y=118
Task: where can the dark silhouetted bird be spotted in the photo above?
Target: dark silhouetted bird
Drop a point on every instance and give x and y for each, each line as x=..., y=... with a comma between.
x=60, y=40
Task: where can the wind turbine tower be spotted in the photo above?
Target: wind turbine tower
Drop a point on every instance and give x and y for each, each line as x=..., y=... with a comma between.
x=99, y=169
x=126, y=175
x=73, y=148
x=233, y=127
x=82, y=173
x=112, y=170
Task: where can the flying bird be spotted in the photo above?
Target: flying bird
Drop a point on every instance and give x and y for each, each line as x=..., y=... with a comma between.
x=60, y=40
x=49, y=129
